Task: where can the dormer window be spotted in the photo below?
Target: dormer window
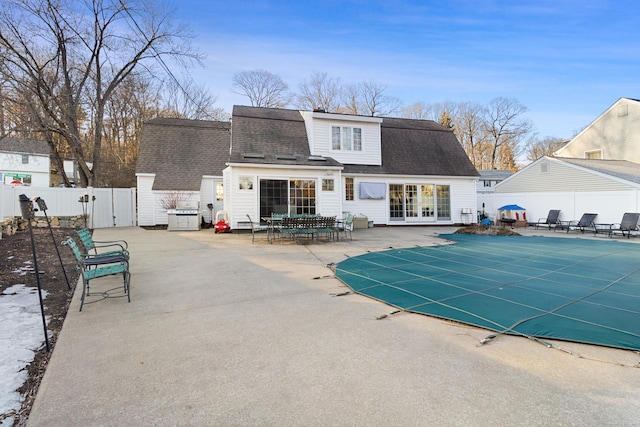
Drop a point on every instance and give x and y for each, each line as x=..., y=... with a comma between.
x=345, y=138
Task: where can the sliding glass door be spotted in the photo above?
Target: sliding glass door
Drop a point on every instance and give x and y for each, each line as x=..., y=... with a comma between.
x=283, y=196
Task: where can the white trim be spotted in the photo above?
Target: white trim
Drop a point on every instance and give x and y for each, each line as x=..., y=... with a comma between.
x=344, y=117
x=272, y=166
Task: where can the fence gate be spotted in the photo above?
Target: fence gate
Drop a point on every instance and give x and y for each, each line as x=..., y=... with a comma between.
x=113, y=207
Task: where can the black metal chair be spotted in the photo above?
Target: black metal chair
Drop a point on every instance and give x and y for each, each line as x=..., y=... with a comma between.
x=628, y=225
x=551, y=221
x=257, y=228
x=586, y=222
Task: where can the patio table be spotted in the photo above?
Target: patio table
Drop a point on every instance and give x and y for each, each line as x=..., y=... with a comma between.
x=271, y=226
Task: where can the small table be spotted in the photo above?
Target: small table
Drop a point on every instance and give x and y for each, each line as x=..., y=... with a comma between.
x=507, y=221
x=602, y=228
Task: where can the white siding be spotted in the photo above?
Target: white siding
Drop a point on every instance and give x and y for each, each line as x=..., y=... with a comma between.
x=38, y=167
x=616, y=132
x=247, y=201
x=462, y=190
x=548, y=175
x=319, y=134
x=146, y=200
x=208, y=195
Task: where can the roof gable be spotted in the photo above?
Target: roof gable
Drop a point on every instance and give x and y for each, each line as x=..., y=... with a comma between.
x=181, y=151
x=615, y=132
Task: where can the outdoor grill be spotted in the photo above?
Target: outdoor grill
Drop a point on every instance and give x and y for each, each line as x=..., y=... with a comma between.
x=184, y=217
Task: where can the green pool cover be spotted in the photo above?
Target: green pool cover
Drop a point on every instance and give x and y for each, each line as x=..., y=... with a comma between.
x=568, y=289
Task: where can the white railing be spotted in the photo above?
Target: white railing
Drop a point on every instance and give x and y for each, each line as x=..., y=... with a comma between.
x=106, y=207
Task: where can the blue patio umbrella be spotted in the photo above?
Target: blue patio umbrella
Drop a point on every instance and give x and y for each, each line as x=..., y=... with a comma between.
x=511, y=208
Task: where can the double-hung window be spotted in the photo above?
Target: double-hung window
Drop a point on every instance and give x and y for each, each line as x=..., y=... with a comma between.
x=345, y=138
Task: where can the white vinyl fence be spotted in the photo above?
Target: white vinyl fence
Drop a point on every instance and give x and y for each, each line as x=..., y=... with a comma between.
x=609, y=205
x=107, y=207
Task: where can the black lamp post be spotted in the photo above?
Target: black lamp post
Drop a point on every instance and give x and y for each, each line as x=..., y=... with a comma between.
x=26, y=206
x=43, y=207
x=84, y=200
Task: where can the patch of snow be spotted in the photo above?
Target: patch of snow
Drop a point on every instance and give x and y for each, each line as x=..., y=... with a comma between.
x=21, y=334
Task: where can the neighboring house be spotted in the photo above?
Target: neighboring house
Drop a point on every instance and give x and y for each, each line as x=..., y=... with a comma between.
x=597, y=171
x=25, y=161
x=575, y=186
x=486, y=187
x=614, y=135
x=393, y=171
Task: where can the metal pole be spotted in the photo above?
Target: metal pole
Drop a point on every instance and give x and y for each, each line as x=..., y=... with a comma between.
x=43, y=207
x=27, y=213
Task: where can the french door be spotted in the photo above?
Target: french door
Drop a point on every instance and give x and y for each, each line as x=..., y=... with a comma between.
x=419, y=203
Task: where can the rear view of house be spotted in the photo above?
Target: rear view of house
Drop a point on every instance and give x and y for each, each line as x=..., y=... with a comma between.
x=393, y=171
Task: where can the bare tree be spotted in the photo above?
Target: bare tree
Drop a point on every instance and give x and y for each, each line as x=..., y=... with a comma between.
x=506, y=128
x=375, y=102
x=351, y=99
x=188, y=100
x=546, y=146
x=418, y=110
x=320, y=92
x=71, y=56
x=469, y=129
x=263, y=88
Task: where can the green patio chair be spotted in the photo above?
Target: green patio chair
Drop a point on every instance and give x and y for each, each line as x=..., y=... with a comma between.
x=96, y=266
x=113, y=247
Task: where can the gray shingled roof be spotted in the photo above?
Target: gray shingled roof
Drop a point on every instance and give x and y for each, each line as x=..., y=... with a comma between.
x=418, y=147
x=181, y=151
x=618, y=168
x=494, y=174
x=272, y=136
x=24, y=146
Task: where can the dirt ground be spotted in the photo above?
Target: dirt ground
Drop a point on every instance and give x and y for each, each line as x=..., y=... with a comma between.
x=14, y=252
x=491, y=231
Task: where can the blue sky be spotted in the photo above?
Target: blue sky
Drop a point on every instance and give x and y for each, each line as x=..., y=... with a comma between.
x=566, y=61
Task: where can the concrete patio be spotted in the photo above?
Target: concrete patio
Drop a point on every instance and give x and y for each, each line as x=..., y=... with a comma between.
x=223, y=332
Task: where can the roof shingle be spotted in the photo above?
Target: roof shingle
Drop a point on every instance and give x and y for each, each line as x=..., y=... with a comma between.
x=181, y=151
x=24, y=146
x=418, y=147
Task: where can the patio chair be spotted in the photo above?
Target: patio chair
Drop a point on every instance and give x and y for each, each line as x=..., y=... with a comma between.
x=257, y=228
x=586, y=222
x=550, y=221
x=325, y=225
x=628, y=225
x=96, y=266
x=114, y=247
x=345, y=226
